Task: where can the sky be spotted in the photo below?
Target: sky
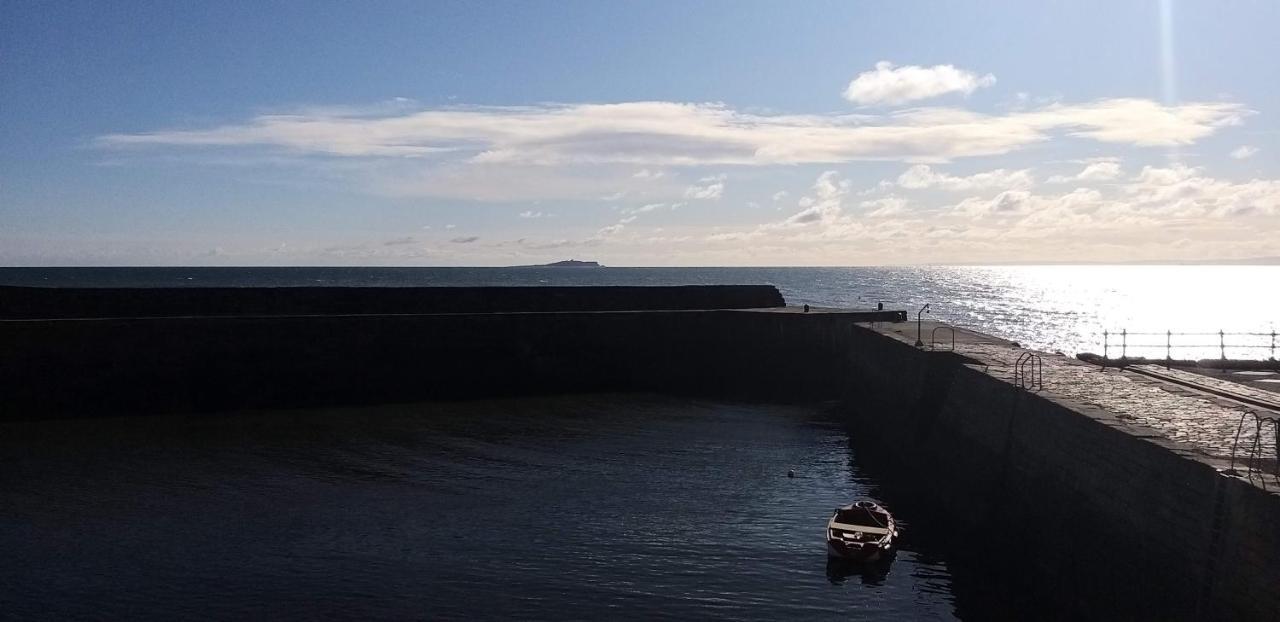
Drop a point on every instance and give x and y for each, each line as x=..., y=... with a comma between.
x=637, y=133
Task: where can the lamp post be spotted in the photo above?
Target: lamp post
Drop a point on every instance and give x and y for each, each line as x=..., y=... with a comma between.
x=919, y=322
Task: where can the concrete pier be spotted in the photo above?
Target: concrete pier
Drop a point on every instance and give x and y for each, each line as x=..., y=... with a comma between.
x=1111, y=482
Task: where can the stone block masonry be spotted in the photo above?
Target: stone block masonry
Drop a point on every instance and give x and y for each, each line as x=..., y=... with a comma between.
x=87, y=367
x=103, y=302
x=1109, y=486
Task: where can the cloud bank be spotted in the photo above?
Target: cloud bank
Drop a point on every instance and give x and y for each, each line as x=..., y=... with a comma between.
x=657, y=133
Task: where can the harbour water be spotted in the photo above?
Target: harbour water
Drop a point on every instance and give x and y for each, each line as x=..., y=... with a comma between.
x=586, y=507
x=571, y=507
x=1063, y=308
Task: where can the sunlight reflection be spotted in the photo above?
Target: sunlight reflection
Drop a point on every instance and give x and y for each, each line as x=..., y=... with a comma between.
x=1068, y=307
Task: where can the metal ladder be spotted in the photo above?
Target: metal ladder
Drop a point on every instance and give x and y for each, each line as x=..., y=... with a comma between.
x=1028, y=371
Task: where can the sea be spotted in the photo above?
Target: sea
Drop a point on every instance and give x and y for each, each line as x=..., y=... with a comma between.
x=1149, y=310
x=576, y=507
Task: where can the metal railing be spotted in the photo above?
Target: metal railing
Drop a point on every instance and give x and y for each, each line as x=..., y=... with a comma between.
x=1168, y=346
x=933, y=337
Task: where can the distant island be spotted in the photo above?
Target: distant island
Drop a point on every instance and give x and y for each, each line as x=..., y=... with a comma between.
x=568, y=263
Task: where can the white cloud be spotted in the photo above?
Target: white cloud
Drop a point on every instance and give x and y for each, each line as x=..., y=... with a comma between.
x=648, y=174
x=922, y=176
x=1244, y=152
x=558, y=243
x=1019, y=203
x=887, y=206
x=881, y=186
x=780, y=195
x=668, y=133
x=825, y=205
x=1162, y=176
x=822, y=210
x=712, y=188
x=630, y=215
x=533, y=214
x=644, y=209
x=1102, y=170
x=1008, y=203
x=1165, y=197
x=522, y=184
x=891, y=85
x=1140, y=122
x=1183, y=191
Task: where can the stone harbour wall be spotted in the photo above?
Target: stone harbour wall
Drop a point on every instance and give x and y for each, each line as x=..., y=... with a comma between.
x=100, y=302
x=1134, y=524
x=160, y=365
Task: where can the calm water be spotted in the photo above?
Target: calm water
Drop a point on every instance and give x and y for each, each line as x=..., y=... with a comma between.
x=1048, y=307
x=588, y=507
x=569, y=508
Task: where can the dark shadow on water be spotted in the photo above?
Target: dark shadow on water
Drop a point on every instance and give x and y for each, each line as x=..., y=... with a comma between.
x=869, y=572
x=487, y=510
x=991, y=578
x=393, y=508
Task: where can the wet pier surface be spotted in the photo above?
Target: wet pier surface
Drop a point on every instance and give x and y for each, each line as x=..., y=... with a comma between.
x=1259, y=382
x=1222, y=386
x=1199, y=413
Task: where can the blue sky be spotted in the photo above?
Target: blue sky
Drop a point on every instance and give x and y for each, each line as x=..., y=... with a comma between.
x=709, y=133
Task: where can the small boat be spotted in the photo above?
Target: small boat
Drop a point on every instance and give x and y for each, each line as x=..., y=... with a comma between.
x=862, y=531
